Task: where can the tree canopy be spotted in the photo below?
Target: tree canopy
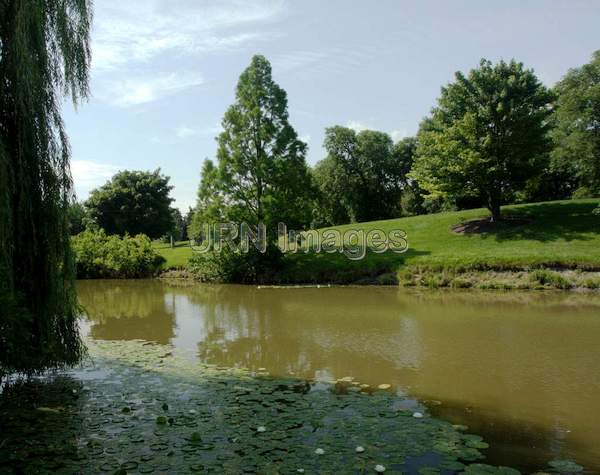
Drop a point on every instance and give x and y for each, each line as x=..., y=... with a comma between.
x=44, y=55
x=133, y=202
x=487, y=136
x=362, y=177
x=261, y=175
x=577, y=134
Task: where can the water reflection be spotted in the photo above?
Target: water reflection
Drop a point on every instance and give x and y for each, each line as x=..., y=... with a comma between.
x=519, y=368
x=121, y=312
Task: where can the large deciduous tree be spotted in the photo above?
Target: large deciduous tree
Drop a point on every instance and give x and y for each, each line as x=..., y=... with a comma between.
x=577, y=135
x=261, y=175
x=487, y=136
x=361, y=174
x=44, y=55
x=133, y=202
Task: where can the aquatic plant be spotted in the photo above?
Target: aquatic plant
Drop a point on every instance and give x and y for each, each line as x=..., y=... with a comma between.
x=190, y=417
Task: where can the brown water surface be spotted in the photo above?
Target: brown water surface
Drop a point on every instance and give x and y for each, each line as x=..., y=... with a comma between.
x=521, y=369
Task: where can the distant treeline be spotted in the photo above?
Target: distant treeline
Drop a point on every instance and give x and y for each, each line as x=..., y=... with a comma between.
x=497, y=135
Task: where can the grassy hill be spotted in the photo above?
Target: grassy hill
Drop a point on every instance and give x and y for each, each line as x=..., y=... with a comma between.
x=559, y=234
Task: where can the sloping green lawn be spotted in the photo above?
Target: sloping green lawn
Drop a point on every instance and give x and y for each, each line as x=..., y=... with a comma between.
x=176, y=257
x=559, y=233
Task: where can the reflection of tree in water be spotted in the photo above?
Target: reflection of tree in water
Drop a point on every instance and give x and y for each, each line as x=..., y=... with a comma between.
x=127, y=310
x=302, y=331
x=511, y=360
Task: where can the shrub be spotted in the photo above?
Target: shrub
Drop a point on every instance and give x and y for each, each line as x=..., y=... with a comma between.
x=99, y=255
x=233, y=266
x=550, y=278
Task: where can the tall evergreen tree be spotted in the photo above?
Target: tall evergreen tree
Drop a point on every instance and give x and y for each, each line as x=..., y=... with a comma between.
x=44, y=55
x=261, y=176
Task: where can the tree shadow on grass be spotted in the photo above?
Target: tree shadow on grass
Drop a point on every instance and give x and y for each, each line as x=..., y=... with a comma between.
x=569, y=221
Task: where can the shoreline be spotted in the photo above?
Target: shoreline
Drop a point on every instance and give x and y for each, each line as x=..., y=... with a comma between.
x=538, y=278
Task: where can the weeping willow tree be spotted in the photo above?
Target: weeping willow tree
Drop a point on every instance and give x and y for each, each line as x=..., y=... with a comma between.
x=44, y=57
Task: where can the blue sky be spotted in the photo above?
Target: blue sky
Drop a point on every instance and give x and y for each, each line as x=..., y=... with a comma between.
x=164, y=71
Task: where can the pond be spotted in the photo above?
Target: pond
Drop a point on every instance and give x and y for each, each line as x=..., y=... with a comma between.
x=520, y=369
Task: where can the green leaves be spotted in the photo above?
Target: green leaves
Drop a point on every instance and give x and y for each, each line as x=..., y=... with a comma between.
x=133, y=202
x=487, y=137
x=362, y=177
x=44, y=56
x=577, y=134
x=215, y=420
x=101, y=256
x=565, y=466
x=261, y=175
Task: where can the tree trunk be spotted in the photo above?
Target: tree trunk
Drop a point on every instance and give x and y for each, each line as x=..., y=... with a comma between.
x=494, y=207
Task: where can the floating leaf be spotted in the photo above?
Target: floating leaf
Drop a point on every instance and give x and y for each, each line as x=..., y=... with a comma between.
x=565, y=466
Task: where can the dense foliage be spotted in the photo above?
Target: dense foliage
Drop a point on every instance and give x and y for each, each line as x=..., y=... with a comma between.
x=133, y=202
x=210, y=202
x=77, y=218
x=230, y=265
x=487, y=137
x=362, y=178
x=576, y=156
x=44, y=55
x=261, y=175
x=100, y=256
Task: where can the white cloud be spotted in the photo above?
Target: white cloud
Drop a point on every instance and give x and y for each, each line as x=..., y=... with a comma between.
x=185, y=131
x=398, y=134
x=333, y=60
x=358, y=126
x=305, y=138
x=133, y=31
x=134, y=91
x=134, y=39
x=88, y=175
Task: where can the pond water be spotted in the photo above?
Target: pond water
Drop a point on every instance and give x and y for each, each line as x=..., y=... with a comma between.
x=521, y=369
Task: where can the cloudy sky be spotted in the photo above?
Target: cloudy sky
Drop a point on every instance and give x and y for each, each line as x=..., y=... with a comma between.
x=164, y=71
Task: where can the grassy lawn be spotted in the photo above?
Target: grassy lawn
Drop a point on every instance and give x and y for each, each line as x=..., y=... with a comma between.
x=176, y=257
x=559, y=234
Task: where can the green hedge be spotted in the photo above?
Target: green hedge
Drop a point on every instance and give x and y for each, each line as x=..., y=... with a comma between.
x=100, y=256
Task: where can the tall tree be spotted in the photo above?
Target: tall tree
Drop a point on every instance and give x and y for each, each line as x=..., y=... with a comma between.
x=332, y=207
x=261, y=176
x=210, y=204
x=487, y=136
x=77, y=218
x=577, y=135
x=44, y=55
x=412, y=199
x=365, y=172
x=133, y=202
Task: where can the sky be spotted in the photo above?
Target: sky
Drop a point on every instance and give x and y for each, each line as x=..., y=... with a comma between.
x=164, y=71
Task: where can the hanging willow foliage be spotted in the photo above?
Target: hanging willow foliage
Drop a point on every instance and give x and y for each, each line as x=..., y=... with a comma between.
x=44, y=56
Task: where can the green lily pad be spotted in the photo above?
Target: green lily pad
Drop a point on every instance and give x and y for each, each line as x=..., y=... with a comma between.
x=565, y=466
